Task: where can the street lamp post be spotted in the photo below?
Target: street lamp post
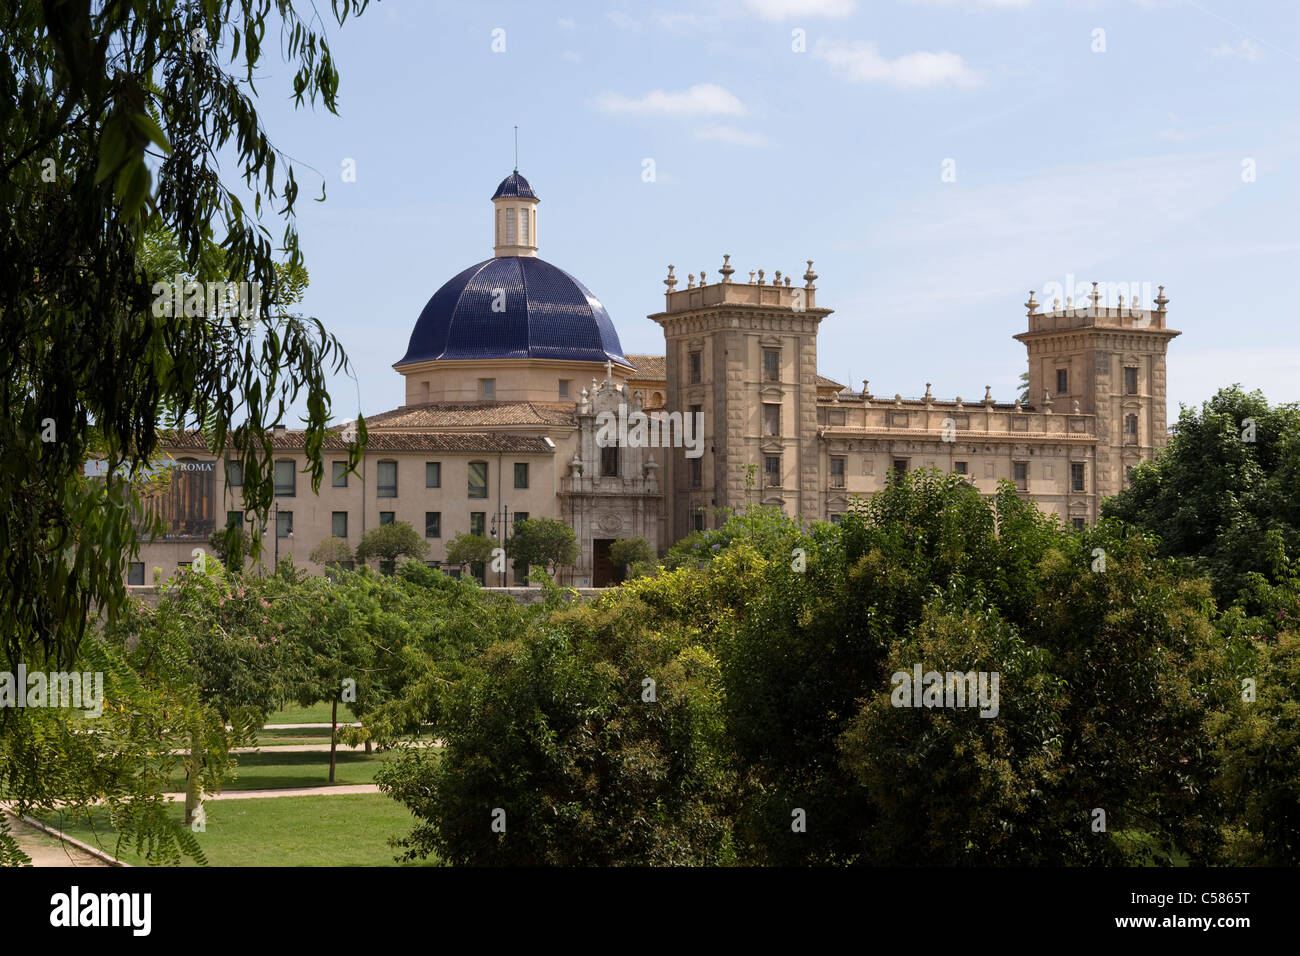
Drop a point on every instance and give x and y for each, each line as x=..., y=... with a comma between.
x=501, y=536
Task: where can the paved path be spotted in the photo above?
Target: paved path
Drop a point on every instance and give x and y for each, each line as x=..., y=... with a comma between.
x=325, y=726
x=47, y=850
x=312, y=748
x=340, y=790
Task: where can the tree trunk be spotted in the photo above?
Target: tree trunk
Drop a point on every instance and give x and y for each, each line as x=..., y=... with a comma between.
x=192, y=794
x=368, y=749
x=334, y=735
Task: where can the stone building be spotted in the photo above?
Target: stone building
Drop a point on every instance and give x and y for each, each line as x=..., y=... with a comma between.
x=513, y=364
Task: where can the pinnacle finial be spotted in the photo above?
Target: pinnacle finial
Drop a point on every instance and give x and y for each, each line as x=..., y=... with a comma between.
x=1094, y=295
x=761, y=281
x=1032, y=304
x=1161, y=301
x=809, y=277
x=726, y=269
x=671, y=281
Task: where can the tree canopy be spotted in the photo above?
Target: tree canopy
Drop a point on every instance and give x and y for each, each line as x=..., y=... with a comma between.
x=1225, y=493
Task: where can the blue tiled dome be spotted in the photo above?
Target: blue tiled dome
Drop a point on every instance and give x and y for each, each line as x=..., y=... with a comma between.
x=515, y=185
x=547, y=314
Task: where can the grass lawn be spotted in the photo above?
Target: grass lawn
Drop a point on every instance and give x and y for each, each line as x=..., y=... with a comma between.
x=271, y=771
x=348, y=830
x=318, y=713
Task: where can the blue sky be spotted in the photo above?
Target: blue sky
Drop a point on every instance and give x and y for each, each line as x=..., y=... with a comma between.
x=1122, y=164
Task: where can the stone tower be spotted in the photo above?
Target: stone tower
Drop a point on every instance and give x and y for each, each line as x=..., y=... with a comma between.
x=744, y=355
x=1110, y=360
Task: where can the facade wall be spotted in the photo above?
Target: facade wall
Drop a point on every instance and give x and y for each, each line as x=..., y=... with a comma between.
x=519, y=380
x=830, y=445
x=313, y=514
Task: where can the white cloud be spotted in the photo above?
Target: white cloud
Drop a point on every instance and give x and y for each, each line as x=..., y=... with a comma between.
x=702, y=99
x=731, y=135
x=989, y=4
x=785, y=9
x=1245, y=50
x=623, y=21
x=861, y=63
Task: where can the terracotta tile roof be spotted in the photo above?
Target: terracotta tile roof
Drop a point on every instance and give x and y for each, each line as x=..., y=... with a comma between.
x=380, y=441
x=824, y=382
x=473, y=415
x=653, y=367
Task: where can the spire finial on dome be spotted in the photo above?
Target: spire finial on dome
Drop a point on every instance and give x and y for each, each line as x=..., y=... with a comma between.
x=516, y=147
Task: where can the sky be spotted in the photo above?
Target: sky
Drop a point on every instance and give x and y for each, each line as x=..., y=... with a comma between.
x=936, y=159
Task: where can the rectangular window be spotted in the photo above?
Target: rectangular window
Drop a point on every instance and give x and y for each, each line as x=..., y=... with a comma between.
x=521, y=474
x=135, y=573
x=1062, y=381
x=234, y=473
x=433, y=474
x=339, y=524
x=387, y=517
x=433, y=524
x=900, y=466
x=609, y=462
x=771, y=419
x=771, y=365
x=697, y=472
x=517, y=517
x=478, y=479
x=1131, y=425
x=772, y=471
x=1020, y=472
x=1130, y=380
x=1076, y=476
x=696, y=368
x=1078, y=523
x=523, y=227
x=340, y=474
x=564, y=387
x=235, y=518
x=478, y=522
x=286, y=477
x=961, y=468
x=697, y=519
x=487, y=388
x=510, y=227
x=837, y=472
x=284, y=524
x=386, y=487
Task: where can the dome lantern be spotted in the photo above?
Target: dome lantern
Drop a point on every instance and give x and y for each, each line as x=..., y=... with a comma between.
x=515, y=217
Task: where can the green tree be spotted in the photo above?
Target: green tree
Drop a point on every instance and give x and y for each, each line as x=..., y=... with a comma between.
x=389, y=542
x=231, y=546
x=631, y=553
x=597, y=735
x=1225, y=493
x=95, y=96
x=331, y=551
x=1257, y=743
x=543, y=542
x=472, y=549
